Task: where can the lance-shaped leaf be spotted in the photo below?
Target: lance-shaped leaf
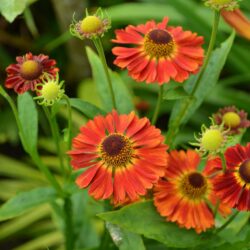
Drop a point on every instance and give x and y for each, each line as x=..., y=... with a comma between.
x=24, y=201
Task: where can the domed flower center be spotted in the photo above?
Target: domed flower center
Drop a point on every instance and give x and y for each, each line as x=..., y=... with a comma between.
x=159, y=43
x=194, y=185
x=212, y=139
x=50, y=91
x=90, y=24
x=31, y=70
x=244, y=171
x=116, y=150
x=231, y=119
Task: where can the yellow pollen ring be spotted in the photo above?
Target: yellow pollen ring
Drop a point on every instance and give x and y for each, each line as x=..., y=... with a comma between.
x=193, y=186
x=212, y=139
x=116, y=150
x=90, y=24
x=231, y=119
x=244, y=171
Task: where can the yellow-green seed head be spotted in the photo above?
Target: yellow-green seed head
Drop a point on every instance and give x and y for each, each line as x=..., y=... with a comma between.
x=91, y=24
x=212, y=139
x=50, y=91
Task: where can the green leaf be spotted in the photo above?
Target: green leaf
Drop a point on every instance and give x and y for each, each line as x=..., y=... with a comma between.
x=176, y=93
x=124, y=239
x=122, y=95
x=237, y=230
x=22, y=202
x=142, y=12
x=27, y=113
x=86, y=108
x=142, y=218
x=184, y=109
x=10, y=9
x=87, y=91
x=16, y=169
x=241, y=244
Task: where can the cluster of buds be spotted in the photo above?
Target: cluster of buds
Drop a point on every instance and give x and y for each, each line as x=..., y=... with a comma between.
x=226, y=123
x=37, y=73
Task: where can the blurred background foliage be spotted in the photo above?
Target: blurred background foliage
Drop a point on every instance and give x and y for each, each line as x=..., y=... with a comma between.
x=43, y=27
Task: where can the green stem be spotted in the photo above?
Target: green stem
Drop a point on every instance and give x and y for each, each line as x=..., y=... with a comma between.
x=227, y=222
x=69, y=127
x=69, y=229
x=99, y=47
x=210, y=48
x=224, y=164
x=43, y=168
x=105, y=239
x=216, y=207
x=174, y=128
x=56, y=136
x=33, y=154
x=158, y=105
x=14, y=110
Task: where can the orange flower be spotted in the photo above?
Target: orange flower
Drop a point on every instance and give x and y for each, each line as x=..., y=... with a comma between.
x=28, y=71
x=183, y=195
x=162, y=52
x=238, y=21
x=124, y=155
x=233, y=187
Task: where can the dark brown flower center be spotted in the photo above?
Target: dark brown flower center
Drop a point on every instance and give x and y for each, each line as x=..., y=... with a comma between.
x=113, y=144
x=244, y=171
x=196, y=180
x=116, y=150
x=194, y=185
x=31, y=70
x=159, y=43
x=160, y=36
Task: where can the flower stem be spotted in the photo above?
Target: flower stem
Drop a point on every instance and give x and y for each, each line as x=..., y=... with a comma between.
x=105, y=239
x=56, y=136
x=69, y=228
x=43, y=168
x=216, y=208
x=99, y=47
x=158, y=105
x=210, y=48
x=14, y=110
x=69, y=127
x=174, y=128
x=227, y=222
x=33, y=154
x=224, y=164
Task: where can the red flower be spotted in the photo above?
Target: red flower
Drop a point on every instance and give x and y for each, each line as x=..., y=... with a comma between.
x=28, y=71
x=124, y=155
x=162, y=52
x=233, y=187
x=234, y=120
x=182, y=196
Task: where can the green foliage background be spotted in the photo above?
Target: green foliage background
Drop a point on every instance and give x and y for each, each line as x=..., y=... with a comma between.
x=42, y=27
